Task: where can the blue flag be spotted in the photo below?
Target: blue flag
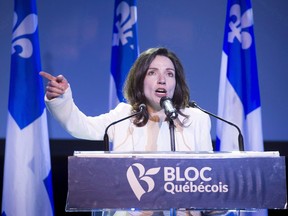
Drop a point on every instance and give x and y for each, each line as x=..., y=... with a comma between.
x=239, y=94
x=27, y=186
x=124, y=47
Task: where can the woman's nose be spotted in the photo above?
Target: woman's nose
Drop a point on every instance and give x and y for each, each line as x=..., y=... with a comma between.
x=161, y=79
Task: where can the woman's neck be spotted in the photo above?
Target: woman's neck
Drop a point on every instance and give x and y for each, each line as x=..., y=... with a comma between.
x=156, y=115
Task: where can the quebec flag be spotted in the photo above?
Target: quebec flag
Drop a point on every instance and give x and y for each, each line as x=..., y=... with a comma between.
x=27, y=185
x=124, y=47
x=239, y=96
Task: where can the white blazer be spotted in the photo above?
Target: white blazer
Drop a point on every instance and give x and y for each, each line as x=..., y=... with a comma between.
x=125, y=136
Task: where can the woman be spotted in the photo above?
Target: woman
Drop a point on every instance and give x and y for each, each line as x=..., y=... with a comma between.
x=156, y=73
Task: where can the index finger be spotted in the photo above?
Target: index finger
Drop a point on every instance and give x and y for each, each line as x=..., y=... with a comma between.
x=47, y=76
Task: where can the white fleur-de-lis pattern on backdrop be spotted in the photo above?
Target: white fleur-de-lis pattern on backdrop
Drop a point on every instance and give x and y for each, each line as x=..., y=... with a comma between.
x=127, y=18
x=237, y=26
x=27, y=26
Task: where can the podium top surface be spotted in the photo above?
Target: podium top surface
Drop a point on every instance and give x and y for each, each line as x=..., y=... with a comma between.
x=234, y=154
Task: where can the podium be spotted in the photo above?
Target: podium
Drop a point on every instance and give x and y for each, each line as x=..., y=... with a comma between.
x=176, y=180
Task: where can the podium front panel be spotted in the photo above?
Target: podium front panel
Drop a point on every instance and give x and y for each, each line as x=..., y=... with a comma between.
x=161, y=183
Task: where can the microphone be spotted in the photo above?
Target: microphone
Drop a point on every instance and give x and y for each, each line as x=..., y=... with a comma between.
x=106, y=137
x=168, y=107
x=240, y=136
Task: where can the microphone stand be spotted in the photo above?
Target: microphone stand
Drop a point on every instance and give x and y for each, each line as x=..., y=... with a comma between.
x=173, y=211
x=106, y=137
x=172, y=134
x=240, y=136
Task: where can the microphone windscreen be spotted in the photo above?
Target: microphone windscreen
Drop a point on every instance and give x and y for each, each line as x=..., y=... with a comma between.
x=142, y=107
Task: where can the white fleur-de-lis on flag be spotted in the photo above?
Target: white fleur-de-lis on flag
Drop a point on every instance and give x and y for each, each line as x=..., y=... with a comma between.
x=27, y=26
x=127, y=18
x=237, y=26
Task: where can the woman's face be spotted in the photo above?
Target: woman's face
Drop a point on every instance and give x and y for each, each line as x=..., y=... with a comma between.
x=159, y=81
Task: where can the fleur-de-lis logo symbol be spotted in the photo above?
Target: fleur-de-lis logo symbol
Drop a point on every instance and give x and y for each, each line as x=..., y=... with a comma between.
x=127, y=18
x=27, y=26
x=143, y=176
x=237, y=26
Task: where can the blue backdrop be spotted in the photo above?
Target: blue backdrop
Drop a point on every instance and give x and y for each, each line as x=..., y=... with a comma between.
x=75, y=40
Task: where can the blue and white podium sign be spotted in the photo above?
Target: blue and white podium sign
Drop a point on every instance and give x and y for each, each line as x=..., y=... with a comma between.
x=161, y=181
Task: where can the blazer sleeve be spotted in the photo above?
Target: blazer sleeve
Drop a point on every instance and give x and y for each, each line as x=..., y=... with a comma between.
x=76, y=123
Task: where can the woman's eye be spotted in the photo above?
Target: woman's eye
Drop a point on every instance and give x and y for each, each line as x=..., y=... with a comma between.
x=150, y=73
x=170, y=74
